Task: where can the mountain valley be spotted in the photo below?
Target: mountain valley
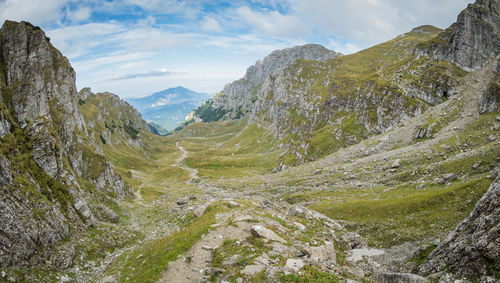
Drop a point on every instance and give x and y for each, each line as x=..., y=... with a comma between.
x=378, y=166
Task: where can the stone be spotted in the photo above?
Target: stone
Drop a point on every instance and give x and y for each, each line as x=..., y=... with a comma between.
x=263, y=259
x=320, y=254
x=108, y=279
x=472, y=41
x=243, y=218
x=396, y=163
x=358, y=255
x=239, y=280
x=251, y=270
x=106, y=214
x=293, y=266
x=400, y=278
x=200, y=210
x=450, y=177
x=260, y=231
x=300, y=226
x=473, y=247
x=181, y=201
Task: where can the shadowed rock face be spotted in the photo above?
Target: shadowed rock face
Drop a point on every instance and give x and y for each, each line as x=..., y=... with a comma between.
x=473, y=248
x=472, y=41
x=40, y=194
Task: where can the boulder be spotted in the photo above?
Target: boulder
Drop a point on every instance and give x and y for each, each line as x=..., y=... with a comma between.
x=400, y=278
x=260, y=231
x=319, y=255
x=293, y=265
x=251, y=270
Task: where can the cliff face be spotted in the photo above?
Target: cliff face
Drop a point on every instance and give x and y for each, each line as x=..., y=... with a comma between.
x=472, y=41
x=472, y=249
x=238, y=97
x=50, y=170
x=111, y=120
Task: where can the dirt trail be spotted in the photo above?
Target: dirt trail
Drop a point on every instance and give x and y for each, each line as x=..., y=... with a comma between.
x=192, y=265
x=193, y=173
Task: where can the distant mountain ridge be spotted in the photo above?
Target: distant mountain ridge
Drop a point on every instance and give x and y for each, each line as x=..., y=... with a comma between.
x=168, y=108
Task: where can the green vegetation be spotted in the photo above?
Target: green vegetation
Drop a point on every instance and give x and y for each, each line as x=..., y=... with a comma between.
x=208, y=113
x=311, y=274
x=131, y=131
x=148, y=261
x=391, y=217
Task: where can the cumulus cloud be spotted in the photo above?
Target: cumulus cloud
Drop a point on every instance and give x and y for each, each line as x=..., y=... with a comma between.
x=78, y=15
x=34, y=11
x=367, y=22
x=272, y=23
x=210, y=24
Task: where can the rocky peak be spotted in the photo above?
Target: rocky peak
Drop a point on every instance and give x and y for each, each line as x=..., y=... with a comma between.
x=275, y=62
x=238, y=97
x=472, y=41
x=40, y=79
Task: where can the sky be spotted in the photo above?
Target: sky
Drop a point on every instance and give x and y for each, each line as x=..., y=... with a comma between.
x=134, y=48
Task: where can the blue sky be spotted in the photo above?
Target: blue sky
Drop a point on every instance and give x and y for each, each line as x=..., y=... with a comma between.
x=136, y=47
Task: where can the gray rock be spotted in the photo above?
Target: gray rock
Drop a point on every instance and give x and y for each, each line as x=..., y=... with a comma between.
x=450, y=177
x=106, y=214
x=359, y=254
x=260, y=231
x=473, y=247
x=489, y=100
x=251, y=270
x=200, y=210
x=326, y=252
x=293, y=265
x=396, y=163
x=472, y=41
x=263, y=259
x=400, y=278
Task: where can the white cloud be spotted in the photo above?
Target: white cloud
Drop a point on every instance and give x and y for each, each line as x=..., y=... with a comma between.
x=210, y=24
x=273, y=23
x=81, y=14
x=367, y=22
x=35, y=11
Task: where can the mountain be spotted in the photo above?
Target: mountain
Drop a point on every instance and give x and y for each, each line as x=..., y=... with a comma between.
x=395, y=178
x=54, y=179
x=313, y=108
x=168, y=108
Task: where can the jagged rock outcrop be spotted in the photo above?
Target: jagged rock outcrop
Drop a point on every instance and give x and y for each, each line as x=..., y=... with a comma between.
x=472, y=41
x=489, y=101
x=116, y=121
x=238, y=97
x=473, y=248
x=45, y=154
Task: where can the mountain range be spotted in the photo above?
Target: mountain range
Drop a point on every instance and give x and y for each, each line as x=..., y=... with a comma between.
x=168, y=108
x=379, y=166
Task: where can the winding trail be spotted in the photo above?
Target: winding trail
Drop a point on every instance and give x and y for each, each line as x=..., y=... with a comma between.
x=193, y=173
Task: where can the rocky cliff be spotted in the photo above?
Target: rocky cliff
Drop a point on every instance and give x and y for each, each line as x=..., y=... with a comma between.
x=111, y=120
x=473, y=248
x=472, y=41
x=238, y=97
x=50, y=170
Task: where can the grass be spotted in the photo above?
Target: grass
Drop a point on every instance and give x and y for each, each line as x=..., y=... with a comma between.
x=147, y=262
x=311, y=275
x=391, y=217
